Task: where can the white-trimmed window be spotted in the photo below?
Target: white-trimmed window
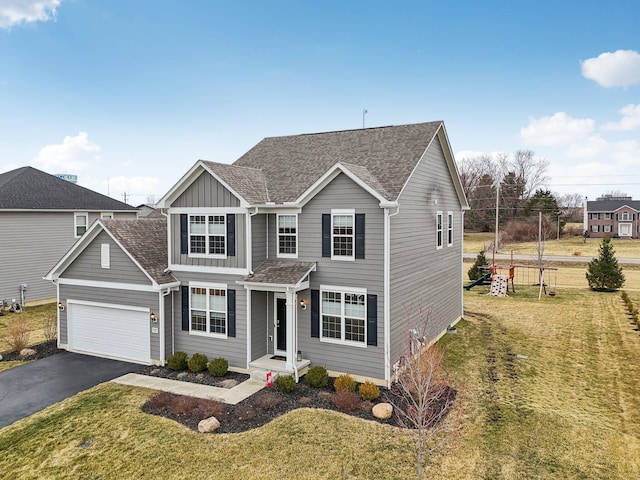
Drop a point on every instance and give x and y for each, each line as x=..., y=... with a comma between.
x=287, y=236
x=106, y=215
x=449, y=229
x=595, y=228
x=439, y=230
x=207, y=235
x=343, y=313
x=607, y=216
x=105, y=257
x=342, y=234
x=208, y=310
x=606, y=228
x=625, y=216
x=80, y=223
x=594, y=216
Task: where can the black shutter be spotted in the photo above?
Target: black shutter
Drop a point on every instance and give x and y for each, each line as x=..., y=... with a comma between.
x=315, y=313
x=359, y=235
x=326, y=234
x=372, y=320
x=231, y=235
x=185, y=308
x=184, y=233
x=231, y=313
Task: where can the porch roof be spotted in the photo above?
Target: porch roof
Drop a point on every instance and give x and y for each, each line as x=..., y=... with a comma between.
x=281, y=273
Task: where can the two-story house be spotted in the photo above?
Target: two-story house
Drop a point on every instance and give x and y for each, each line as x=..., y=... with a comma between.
x=613, y=216
x=41, y=217
x=309, y=249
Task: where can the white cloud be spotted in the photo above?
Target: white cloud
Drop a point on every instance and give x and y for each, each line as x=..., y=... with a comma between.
x=73, y=154
x=588, y=147
x=559, y=129
x=618, y=69
x=138, y=188
x=14, y=12
x=630, y=119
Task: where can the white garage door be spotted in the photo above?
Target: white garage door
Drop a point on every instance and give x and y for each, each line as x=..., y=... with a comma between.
x=115, y=331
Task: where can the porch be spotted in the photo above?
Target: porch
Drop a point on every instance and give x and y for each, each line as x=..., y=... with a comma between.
x=277, y=365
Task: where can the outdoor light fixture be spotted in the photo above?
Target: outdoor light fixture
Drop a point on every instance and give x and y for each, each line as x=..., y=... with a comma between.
x=60, y=306
x=153, y=317
x=303, y=304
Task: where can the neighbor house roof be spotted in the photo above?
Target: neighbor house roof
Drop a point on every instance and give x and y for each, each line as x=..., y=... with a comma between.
x=382, y=157
x=146, y=241
x=611, y=205
x=28, y=188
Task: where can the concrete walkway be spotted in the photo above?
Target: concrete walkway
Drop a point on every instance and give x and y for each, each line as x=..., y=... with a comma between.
x=227, y=395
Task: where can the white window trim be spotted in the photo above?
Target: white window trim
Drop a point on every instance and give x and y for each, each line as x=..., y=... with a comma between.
x=352, y=213
x=105, y=257
x=449, y=229
x=606, y=228
x=107, y=215
x=208, y=286
x=342, y=291
x=286, y=255
x=607, y=216
x=76, y=215
x=595, y=228
x=206, y=236
x=625, y=217
x=626, y=226
x=439, y=229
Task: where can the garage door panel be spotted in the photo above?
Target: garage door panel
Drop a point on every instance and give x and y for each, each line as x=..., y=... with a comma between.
x=113, y=331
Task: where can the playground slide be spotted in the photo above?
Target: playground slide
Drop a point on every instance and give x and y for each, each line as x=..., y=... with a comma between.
x=479, y=281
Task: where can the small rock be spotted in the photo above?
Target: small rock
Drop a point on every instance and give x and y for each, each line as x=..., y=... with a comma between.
x=181, y=375
x=228, y=383
x=27, y=352
x=208, y=425
x=0, y=358
x=382, y=410
x=200, y=376
x=155, y=371
x=524, y=357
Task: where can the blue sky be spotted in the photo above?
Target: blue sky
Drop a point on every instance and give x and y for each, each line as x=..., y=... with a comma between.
x=136, y=91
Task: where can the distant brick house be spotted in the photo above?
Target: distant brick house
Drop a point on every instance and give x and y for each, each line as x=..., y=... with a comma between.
x=613, y=216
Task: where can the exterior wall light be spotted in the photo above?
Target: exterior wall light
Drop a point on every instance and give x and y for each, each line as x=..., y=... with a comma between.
x=153, y=317
x=303, y=304
x=61, y=306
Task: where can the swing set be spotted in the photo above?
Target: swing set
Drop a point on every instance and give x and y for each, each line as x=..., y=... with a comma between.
x=524, y=275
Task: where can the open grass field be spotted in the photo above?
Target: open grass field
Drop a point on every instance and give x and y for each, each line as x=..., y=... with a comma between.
x=546, y=389
x=572, y=246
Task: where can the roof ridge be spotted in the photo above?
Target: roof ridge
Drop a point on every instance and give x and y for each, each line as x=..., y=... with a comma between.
x=355, y=129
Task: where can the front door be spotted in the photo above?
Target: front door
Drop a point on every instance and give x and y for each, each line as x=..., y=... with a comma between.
x=281, y=325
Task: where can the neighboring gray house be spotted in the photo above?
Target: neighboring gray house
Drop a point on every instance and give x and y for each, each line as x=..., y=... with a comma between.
x=310, y=249
x=41, y=217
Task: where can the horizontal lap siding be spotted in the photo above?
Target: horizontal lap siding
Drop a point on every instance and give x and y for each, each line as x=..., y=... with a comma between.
x=366, y=273
x=234, y=349
x=258, y=239
x=422, y=277
x=110, y=296
x=121, y=270
x=259, y=332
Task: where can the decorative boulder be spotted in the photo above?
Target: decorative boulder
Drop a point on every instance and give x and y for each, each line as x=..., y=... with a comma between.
x=382, y=410
x=208, y=425
x=228, y=383
x=27, y=352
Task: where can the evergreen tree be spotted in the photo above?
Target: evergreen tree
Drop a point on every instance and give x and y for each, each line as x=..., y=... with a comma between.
x=475, y=272
x=604, y=273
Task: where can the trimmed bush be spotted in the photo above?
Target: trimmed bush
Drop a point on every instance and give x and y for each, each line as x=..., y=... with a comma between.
x=344, y=383
x=317, y=377
x=346, y=401
x=369, y=391
x=218, y=367
x=285, y=383
x=198, y=362
x=177, y=361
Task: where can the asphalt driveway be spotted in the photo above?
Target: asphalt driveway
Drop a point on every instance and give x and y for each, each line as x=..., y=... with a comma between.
x=29, y=388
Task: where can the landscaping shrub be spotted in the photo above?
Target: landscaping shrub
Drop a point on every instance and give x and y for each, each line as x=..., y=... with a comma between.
x=18, y=335
x=475, y=272
x=218, y=367
x=344, y=383
x=604, y=273
x=161, y=400
x=346, y=401
x=369, y=391
x=317, y=377
x=268, y=400
x=50, y=327
x=182, y=405
x=206, y=408
x=285, y=383
x=198, y=362
x=177, y=361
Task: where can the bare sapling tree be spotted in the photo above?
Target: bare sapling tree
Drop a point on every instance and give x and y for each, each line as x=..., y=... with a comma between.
x=420, y=395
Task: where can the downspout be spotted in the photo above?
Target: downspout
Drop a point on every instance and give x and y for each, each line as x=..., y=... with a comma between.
x=249, y=244
x=55, y=282
x=387, y=293
x=162, y=325
x=462, y=261
x=248, y=293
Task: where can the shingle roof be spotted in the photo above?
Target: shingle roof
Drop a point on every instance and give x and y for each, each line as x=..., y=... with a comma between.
x=280, y=272
x=250, y=183
x=146, y=240
x=386, y=156
x=611, y=205
x=28, y=188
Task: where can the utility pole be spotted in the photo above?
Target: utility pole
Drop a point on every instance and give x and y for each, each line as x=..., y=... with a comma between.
x=125, y=197
x=364, y=112
x=495, y=243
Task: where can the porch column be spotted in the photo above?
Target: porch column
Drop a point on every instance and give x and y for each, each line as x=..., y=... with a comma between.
x=291, y=328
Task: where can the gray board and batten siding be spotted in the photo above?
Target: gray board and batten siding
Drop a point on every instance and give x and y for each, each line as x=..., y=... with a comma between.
x=31, y=243
x=425, y=280
x=206, y=191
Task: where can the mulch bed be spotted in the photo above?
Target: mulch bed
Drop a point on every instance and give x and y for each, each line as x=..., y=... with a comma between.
x=44, y=349
x=203, y=378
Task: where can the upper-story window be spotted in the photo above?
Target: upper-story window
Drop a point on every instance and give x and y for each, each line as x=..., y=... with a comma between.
x=342, y=235
x=625, y=216
x=439, y=230
x=594, y=216
x=607, y=216
x=449, y=229
x=207, y=235
x=80, y=223
x=288, y=236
